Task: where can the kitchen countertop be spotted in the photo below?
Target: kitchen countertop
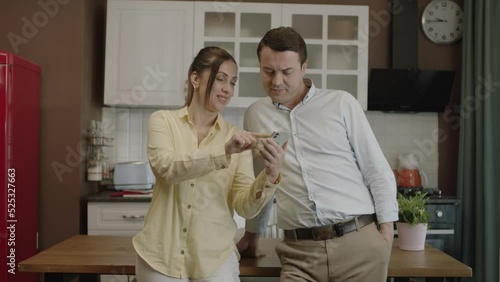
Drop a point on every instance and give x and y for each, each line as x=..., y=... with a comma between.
x=105, y=196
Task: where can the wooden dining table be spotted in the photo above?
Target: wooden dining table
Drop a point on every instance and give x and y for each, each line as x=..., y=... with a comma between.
x=91, y=255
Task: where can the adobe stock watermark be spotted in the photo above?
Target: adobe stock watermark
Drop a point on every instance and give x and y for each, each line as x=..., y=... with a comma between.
x=39, y=19
x=221, y=7
x=382, y=19
x=75, y=156
x=151, y=81
x=484, y=89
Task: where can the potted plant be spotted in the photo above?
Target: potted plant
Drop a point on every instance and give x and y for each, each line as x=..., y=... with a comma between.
x=413, y=221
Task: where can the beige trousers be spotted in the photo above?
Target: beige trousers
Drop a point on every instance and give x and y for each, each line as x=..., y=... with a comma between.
x=359, y=256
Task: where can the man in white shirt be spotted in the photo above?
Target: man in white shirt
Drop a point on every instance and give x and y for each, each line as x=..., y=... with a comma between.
x=337, y=199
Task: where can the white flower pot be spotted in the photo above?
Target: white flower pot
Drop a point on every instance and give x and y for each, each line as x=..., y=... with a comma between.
x=411, y=237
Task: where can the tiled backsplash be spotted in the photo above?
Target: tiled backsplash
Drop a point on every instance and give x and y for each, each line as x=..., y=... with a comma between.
x=396, y=133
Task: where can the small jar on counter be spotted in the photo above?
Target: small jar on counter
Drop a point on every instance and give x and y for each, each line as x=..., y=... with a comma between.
x=94, y=171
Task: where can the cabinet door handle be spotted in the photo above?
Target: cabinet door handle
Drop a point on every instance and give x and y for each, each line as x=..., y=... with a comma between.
x=133, y=217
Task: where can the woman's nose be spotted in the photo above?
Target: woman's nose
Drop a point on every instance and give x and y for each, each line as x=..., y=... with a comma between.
x=228, y=88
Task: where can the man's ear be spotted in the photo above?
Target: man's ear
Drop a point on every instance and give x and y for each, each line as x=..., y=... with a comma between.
x=303, y=68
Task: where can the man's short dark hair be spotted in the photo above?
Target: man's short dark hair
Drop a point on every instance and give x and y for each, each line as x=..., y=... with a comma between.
x=284, y=39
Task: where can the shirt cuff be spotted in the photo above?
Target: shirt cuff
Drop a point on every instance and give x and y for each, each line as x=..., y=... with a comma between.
x=268, y=185
x=278, y=180
x=219, y=158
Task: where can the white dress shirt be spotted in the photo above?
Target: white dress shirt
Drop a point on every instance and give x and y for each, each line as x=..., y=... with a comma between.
x=334, y=168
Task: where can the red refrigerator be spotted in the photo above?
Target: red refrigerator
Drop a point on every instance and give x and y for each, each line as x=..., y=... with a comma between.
x=19, y=155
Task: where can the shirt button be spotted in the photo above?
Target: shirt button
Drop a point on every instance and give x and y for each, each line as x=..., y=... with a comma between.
x=222, y=166
x=188, y=206
x=192, y=184
x=266, y=186
x=311, y=198
x=306, y=175
x=182, y=252
x=184, y=230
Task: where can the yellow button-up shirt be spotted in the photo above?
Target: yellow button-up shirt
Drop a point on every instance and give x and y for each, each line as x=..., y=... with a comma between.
x=189, y=229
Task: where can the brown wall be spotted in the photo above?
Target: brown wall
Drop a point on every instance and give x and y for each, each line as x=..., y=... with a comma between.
x=65, y=43
x=70, y=48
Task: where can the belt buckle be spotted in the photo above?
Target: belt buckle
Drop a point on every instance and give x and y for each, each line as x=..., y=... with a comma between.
x=339, y=229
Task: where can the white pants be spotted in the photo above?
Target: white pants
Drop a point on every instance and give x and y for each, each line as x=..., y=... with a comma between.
x=229, y=272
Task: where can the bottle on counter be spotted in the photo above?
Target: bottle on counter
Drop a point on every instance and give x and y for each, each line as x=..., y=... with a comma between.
x=99, y=133
x=94, y=166
x=105, y=169
x=92, y=133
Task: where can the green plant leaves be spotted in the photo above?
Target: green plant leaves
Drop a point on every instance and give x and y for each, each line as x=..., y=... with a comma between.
x=412, y=208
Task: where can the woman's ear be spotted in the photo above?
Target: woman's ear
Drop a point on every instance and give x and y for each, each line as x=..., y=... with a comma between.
x=194, y=79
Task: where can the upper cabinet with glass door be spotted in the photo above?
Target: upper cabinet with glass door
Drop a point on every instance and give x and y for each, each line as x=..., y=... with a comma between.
x=238, y=28
x=150, y=45
x=337, y=45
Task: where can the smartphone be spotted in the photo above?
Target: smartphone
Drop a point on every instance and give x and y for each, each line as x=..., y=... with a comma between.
x=280, y=137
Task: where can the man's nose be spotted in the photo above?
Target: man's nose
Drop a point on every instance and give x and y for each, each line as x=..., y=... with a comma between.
x=277, y=79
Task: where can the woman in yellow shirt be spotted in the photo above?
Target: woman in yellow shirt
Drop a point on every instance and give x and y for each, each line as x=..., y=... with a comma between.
x=203, y=169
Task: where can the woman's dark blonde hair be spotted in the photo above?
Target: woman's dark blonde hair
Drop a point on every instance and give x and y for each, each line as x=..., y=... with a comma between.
x=208, y=58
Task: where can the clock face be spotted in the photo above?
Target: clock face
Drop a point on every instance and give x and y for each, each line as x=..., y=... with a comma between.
x=442, y=21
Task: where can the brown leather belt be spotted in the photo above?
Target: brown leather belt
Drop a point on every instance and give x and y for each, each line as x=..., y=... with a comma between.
x=330, y=231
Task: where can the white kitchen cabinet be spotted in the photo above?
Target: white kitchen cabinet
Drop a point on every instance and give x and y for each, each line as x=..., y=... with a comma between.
x=148, y=51
x=150, y=45
x=337, y=43
x=336, y=38
x=116, y=218
x=238, y=28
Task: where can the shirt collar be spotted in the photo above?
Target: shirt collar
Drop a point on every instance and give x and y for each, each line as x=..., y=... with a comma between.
x=184, y=114
x=312, y=91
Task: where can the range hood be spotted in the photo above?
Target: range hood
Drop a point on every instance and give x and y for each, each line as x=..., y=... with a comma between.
x=405, y=88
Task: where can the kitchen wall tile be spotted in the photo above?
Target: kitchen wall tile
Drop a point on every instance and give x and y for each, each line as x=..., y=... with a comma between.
x=391, y=154
x=135, y=120
x=121, y=153
x=145, y=121
x=109, y=130
x=432, y=180
x=396, y=133
x=380, y=139
x=135, y=135
x=135, y=152
x=392, y=140
x=234, y=116
x=231, y=116
x=392, y=124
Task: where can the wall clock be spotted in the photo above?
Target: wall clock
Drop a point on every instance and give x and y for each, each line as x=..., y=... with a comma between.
x=442, y=21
